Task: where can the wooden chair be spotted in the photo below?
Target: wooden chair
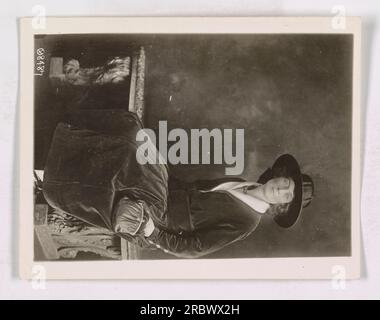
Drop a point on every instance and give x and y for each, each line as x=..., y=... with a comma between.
x=58, y=235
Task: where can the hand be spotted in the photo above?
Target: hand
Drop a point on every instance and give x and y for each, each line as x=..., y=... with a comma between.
x=149, y=228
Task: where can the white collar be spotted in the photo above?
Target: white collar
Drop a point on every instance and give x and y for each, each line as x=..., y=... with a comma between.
x=253, y=202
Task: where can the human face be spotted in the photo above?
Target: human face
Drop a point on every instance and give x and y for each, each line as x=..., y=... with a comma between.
x=279, y=190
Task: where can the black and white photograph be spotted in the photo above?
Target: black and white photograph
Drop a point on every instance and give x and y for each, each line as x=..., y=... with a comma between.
x=215, y=146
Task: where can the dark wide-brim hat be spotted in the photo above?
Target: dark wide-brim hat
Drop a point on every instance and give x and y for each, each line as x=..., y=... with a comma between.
x=287, y=166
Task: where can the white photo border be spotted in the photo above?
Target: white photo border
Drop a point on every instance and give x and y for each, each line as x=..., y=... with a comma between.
x=252, y=268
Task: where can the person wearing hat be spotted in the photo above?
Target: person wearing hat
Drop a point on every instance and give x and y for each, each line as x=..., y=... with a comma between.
x=92, y=174
x=206, y=216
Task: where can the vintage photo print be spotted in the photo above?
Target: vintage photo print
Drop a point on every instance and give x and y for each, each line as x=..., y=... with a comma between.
x=190, y=148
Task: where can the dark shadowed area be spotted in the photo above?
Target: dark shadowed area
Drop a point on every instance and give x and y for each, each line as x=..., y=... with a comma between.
x=291, y=94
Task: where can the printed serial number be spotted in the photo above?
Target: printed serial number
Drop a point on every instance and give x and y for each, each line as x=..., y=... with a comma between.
x=214, y=309
x=40, y=63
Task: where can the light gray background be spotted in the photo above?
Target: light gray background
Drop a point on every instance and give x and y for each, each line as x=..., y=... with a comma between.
x=11, y=287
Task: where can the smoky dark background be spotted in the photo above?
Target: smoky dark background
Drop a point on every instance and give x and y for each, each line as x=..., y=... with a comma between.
x=292, y=93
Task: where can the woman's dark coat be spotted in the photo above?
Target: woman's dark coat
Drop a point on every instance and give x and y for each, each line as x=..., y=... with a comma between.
x=92, y=174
